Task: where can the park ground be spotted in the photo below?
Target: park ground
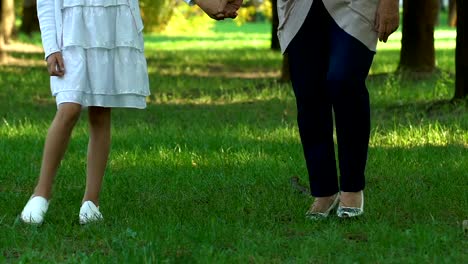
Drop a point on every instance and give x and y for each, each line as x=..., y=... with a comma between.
x=203, y=174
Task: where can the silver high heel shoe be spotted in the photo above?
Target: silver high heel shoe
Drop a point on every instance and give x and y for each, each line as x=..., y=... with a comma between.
x=321, y=215
x=348, y=212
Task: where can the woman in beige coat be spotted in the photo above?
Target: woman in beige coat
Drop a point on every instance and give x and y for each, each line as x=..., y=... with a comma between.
x=331, y=45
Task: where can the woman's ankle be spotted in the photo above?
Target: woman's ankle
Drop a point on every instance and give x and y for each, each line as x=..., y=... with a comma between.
x=351, y=199
x=323, y=203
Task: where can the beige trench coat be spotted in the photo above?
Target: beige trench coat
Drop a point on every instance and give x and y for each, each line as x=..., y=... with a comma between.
x=356, y=17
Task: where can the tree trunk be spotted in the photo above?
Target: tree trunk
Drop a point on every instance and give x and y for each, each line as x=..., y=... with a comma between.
x=417, y=45
x=452, y=14
x=461, y=60
x=285, y=73
x=8, y=19
x=30, y=22
x=2, y=48
x=441, y=9
x=275, y=45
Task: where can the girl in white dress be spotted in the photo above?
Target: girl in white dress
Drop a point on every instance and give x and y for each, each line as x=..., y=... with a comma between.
x=95, y=56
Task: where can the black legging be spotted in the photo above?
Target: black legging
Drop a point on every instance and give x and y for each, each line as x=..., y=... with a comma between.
x=328, y=71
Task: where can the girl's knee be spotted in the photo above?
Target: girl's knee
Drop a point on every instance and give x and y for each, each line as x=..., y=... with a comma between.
x=68, y=113
x=99, y=115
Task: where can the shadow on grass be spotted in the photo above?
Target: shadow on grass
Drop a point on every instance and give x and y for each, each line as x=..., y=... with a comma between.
x=242, y=59
x=239, y=36
x=428, y=108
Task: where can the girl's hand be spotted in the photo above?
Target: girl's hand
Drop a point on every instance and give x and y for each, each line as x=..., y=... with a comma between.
x=55, y=64
x=387, y=18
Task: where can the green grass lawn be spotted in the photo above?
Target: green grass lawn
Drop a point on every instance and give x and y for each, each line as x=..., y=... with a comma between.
x=203, y=174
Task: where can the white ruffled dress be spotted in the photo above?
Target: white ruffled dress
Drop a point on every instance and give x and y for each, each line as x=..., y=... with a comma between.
x=103, y=52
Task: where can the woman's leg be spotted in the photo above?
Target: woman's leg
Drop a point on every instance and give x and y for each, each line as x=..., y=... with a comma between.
x=98, y=151
x=350, y=61
x=55, y=146
x=308, y=57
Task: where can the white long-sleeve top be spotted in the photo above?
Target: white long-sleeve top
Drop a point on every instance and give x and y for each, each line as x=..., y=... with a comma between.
x=50, y=19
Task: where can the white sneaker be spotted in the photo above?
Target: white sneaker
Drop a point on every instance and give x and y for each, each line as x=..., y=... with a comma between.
x=35, y=210
x=89, y=213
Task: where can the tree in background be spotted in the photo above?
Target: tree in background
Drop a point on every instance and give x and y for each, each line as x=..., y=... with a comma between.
x=2, y=49
x=156, y=14
x=452, y=13
x=8, y=19
x=30, y=22
x=7, y=22
x=461, y=60
x=275, y=45
x=417, y=49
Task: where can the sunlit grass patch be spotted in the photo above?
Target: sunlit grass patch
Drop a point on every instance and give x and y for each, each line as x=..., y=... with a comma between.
x=416, y=135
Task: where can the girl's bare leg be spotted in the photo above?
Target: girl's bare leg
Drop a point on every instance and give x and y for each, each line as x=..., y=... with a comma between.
x=55, y=146
x=98, y=151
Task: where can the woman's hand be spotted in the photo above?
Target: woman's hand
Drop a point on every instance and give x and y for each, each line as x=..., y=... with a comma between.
x=232, y=7
x=55, y=64
x=213, y=8
x=220, y=9
x=387, y=18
